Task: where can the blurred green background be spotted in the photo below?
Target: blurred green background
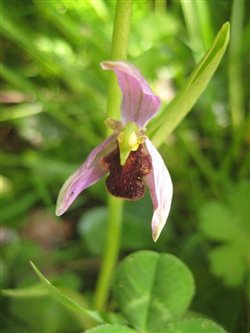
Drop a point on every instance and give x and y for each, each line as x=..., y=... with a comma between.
x=53, y=102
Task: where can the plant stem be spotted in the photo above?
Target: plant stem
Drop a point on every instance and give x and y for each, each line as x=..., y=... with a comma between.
x=236, y=86
x=235, y=65
x=192, y=24
x=160, y=6
x=115, y=206
x=120, y=37
x=115, y=212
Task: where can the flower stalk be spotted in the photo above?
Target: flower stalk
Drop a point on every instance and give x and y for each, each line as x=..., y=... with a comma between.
x=122, y=22
x=120, y=38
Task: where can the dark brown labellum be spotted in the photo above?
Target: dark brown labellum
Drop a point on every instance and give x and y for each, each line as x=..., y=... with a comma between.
x=127, y=181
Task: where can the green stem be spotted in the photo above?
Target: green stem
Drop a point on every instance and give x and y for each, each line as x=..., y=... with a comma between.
x=119, y=52
x=236, y=86
x=235, y=65
x=115, y=206
x=160, y=6
x=192, y=24
x=115, y=212
x=205, y=24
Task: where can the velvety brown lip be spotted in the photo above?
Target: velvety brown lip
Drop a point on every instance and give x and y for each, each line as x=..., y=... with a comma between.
x=127, y=181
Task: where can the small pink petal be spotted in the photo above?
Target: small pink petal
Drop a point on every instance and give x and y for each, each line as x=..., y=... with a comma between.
x=139, y=104
x=88, y=174
x=161, y=190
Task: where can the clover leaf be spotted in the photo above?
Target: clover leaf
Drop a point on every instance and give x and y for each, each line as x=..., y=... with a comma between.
x=227, y=222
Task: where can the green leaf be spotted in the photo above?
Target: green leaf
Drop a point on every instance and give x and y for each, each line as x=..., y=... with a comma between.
x=217, y=221
x=33, y=291
x=65, y=300
x=193, y=88
x=227, y=262
x=20, y=111
x=152, y=289
x=193, y=326
x=238, y=195
x=227, y=221
x=92, y=228
x=136, y=234
x=111, y=329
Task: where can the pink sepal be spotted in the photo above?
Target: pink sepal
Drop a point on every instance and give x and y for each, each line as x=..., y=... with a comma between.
x=161, y=190
x=139, y=104
x=88, y=174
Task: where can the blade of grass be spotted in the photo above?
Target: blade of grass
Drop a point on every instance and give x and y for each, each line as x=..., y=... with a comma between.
x=29, y=292
x=49, y=61
x=192, y=24
x=17, y=79
x=236, y=87
x=52, y=107
x=235, y=71
x=20, y=111
x=66, y=300
x=18, y=207
x=205, y=23
x=42, y=189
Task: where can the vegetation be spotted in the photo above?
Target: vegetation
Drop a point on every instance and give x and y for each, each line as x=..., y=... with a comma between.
x=53, y=107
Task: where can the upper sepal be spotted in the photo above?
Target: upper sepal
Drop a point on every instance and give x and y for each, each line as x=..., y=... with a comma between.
x=139, y=104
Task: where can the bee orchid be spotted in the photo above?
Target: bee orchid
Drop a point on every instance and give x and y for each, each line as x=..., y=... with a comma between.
x=128, y=157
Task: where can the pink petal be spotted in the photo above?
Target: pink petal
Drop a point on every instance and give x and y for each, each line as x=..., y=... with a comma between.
x=161, y=190
x=139, y=104
x=88, y=174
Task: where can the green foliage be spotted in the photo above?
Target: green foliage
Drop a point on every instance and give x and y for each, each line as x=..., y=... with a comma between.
x=111, y=329
x=53, y=98
x=193, y=88
x=152, y=289
x=227, y=222
x=183, y=326
x=193, y=325
x=136, y=233
x=64, y=299
x=33, y=291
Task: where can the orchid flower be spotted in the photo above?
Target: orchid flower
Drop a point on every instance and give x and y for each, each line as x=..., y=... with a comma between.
x=127, y=156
